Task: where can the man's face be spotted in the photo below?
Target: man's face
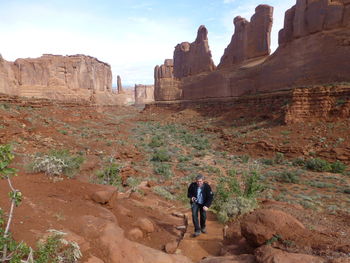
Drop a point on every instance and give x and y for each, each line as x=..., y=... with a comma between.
x=200, y=182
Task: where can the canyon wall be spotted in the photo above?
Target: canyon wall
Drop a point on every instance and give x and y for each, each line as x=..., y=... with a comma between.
x=144, y=94
x=77, y=78
x=314, y=48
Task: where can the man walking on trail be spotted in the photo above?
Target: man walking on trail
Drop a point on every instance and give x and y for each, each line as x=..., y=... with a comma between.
x=201, y=196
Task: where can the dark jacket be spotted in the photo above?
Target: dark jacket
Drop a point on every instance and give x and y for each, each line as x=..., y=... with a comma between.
x=208, y=194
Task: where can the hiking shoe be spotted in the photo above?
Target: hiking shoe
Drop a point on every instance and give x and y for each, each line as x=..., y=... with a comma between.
x=196, y=234
x=204, y=230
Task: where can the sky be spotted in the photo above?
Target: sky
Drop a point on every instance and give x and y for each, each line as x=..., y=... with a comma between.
x=132, y=36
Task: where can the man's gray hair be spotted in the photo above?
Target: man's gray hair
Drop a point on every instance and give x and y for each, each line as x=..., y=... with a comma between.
x=199, y=177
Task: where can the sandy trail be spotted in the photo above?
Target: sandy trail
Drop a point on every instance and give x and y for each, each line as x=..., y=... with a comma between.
x=209, y=244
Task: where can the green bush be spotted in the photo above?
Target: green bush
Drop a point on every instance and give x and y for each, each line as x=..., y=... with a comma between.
x=161, y=155
x=232, y=199
x=299, y=162
x=57, y=162
x=288, y=177
x=318, y=165
x=236, y=206
x=338, y=167
x=163, y=169
x=109, y=175
x=156, y=141
x=163, y=192
x=55, y=249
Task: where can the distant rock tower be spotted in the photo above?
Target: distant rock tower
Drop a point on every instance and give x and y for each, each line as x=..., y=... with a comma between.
x=119, y=85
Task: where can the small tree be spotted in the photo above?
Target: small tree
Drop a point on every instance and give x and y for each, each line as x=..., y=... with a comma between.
x=6, y=157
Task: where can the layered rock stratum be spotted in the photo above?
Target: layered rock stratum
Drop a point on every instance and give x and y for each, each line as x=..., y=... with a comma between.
x=76, y=78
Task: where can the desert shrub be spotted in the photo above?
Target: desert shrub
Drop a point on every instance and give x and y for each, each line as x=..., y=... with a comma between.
x=133, y=182
x=318, y=165
x=288, y=176
x=56, y=249
x=156, y=141
x=232, y=199
x=278, y=159
x=163, y=169
x=236, y=206
x=338, y=167
x=110, y=174
x=299, y=162
x=319, y=184
x=347, y=191
x=57, y=162
x=161, y=155
x=163, y=192
x=185, y=158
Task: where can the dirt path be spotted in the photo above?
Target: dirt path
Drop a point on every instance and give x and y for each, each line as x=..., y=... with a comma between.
x=209, y=244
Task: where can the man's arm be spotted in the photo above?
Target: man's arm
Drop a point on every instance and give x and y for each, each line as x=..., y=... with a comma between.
x=209, y=196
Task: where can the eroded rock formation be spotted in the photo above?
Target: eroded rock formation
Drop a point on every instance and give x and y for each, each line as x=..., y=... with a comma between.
x=165, y=86
x=77, y=78
x=144, y=94
x=251, y=39
x=119, y=85
x=314, y=49
x=194, y=58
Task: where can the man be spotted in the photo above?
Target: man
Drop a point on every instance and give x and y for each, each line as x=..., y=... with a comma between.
x=201, y=197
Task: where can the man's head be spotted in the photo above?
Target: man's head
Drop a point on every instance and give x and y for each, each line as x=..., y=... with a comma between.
x=200, y=180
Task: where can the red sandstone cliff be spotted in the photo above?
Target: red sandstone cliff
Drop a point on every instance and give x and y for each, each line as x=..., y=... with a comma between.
x=251, y=39
x=314, y=48
x=165, y=86
x=65, y=78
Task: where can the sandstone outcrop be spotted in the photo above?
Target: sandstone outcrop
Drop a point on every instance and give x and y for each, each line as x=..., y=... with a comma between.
x=264, y=224
x=319, y=102
x=251, y=39
x=76, y=78
x=144, y=94
x=267, y=254
x=314, y=49
x=119, y=85
x=165, y=86
x=194, y=58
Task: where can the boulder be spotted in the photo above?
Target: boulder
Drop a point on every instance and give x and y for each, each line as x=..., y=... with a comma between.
x=230, y=259
x=171, y=247
x=340, y=260
x=145, y=224
x=105, y=197
x=267, y=254
x=135, y=234
x=263, y=224
x=94, y=259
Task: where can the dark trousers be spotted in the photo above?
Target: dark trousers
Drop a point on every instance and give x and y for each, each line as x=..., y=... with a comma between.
x=203, y=216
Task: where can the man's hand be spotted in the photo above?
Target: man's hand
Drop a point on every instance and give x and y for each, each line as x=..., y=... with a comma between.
x=193, y=199
x=205, y=208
